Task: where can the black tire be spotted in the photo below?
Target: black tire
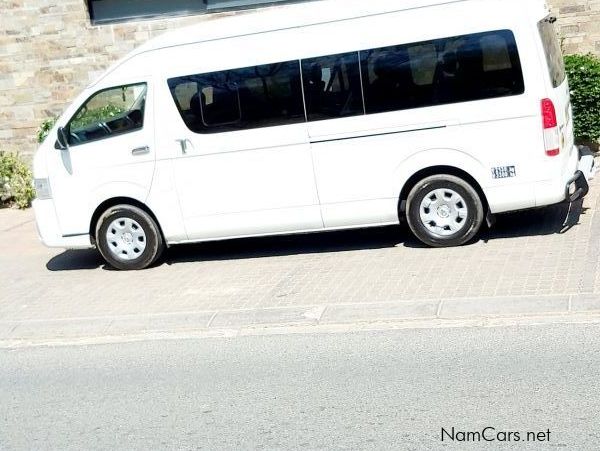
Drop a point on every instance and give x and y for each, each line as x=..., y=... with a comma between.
x=153, y=240
x=468, y=226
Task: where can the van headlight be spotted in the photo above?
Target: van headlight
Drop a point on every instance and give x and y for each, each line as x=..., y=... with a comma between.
x=42, y=189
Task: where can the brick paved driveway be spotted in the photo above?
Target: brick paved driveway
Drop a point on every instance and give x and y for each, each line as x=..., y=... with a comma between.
x=527, y=253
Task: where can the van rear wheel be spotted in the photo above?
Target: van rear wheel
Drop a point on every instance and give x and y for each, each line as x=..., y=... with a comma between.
x=128, y=238
x=444, y=211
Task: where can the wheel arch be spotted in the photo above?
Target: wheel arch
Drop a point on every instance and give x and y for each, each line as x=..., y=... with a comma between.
x=109, y=203
x=438, y=170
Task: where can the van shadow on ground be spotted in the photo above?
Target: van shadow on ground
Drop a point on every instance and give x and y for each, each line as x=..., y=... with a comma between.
x=557, y=219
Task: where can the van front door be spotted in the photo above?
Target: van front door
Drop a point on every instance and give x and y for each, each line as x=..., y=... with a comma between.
x=110, y=154
x=242, y=159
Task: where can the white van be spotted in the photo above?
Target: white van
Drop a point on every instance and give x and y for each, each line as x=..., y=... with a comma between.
x=319, y=116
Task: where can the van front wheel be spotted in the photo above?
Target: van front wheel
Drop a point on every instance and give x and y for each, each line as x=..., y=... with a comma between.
x=128, y=238
x=444, y=211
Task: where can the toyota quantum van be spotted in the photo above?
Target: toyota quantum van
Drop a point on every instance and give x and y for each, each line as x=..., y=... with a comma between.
x=320, y=116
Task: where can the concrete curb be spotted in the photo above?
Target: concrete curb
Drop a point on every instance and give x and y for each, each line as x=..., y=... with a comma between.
x=233, y=322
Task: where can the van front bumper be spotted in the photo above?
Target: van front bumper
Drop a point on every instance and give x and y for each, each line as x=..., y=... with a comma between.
x=578, y=186
x=48, y=228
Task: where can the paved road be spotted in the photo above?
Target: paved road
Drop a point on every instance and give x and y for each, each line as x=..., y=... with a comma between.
x=386, y=390
x=530, y=263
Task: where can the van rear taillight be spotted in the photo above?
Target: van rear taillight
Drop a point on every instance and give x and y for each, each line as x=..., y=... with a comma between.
x=551, y=132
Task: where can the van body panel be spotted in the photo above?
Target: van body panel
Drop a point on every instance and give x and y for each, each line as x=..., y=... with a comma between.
x=276, y=181
x=556, y=170
x=48, y=228
x=222, y=178
x=312, y=175
x=163, y=201
x=87, y=174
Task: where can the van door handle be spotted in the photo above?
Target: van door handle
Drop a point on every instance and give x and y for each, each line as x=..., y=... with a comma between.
x=185, y=145
x=140, y=150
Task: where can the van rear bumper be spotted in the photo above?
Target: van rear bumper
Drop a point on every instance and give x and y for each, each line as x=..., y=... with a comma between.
x=587, y=164
x=578, y=186
x=48, y=228
x=577, y=173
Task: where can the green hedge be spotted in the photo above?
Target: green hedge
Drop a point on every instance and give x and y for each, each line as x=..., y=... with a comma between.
x=16, y=186
x=45, y=129
x=584, y=79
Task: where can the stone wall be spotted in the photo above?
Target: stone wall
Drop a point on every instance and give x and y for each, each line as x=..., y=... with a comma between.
x=49, y=51
x=579, y=24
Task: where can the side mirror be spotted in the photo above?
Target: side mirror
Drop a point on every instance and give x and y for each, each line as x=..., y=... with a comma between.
x=62, y=140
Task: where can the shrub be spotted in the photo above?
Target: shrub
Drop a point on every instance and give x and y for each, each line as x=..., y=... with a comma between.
x=16, y=184
x=584, y=79
x=45, y=129
x=93, y=116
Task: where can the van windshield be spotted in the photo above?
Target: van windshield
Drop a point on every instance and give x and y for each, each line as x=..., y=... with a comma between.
x=109, y=112
x=554, y=57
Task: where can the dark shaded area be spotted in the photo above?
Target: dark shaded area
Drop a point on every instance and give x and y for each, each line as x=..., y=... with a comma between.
x=543, y=221
x=315, y=243
x=556, y=219
x=73, y=260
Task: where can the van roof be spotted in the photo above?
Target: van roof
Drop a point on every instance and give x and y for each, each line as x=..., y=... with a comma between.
x=263, y=20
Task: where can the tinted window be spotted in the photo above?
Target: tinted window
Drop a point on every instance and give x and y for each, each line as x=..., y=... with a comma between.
x=332, y=86
x=458, y=69
x=259, y=96
x=108, y=113
x=103, y=11
x=554, y=57
x=115, y=10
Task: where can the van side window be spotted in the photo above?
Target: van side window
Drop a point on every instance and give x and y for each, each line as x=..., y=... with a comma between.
x=459, y=69
x=110, y=112
x=554, y=57
x=332, y=86
x=389, y=79
x=400, y=77
x=238, y=99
